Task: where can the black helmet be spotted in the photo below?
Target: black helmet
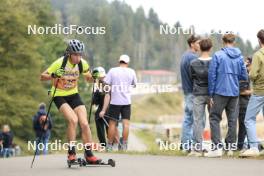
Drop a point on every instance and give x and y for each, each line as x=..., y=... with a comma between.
x=75, y=46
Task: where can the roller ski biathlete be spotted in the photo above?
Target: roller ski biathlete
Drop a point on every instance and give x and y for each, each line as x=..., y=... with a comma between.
x=64, y=74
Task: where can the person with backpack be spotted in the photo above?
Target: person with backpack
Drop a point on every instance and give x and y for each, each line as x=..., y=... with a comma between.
x=42, y=132
x=65, y=73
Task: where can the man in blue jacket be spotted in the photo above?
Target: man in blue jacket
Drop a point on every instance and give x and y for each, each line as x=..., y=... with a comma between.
x=187, y=57
x=226, y=69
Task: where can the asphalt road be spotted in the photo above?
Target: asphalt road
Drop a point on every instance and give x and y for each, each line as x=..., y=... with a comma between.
x=133, y=165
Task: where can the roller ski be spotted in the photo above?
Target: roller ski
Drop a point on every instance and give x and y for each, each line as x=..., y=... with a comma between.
x=88, y=161
x=95, y=161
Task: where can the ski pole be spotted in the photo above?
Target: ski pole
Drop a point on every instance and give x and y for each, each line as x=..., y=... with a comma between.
x=107, y=124
x=43, y=126
x=111, y=118
x=91, y=105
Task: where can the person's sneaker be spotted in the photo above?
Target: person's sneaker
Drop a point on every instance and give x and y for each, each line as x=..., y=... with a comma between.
x=195, y=154
x=252, y=152
x=123, y=147
x=242, y=151
x=109, y=147
x=115, y=147
x=214, y=153
x=93, y=160
x=72, y=157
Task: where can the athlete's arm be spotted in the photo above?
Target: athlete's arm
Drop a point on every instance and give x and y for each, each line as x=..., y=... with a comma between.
x=88, y=76
x=45, y=76
x=53, y=68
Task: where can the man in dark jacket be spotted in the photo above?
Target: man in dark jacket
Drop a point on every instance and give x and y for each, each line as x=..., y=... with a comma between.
x=226, y=69
x=42, y=132
x=98, y=99
x=7, y=141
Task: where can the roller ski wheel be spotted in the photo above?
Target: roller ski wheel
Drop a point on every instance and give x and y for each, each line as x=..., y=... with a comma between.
x=111, y=162
x=69, y=163
x=72, y=160
x=79, y=162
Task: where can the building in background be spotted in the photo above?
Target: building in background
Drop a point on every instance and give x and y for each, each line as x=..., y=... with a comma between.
x=156, y=76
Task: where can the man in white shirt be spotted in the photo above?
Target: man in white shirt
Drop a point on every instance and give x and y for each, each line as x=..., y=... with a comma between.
x=120, y=79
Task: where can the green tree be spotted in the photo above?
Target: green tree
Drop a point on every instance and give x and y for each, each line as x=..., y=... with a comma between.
x=22, y=58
